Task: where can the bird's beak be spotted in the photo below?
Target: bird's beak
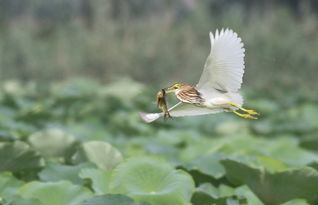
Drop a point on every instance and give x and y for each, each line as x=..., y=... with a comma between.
x=169, y=89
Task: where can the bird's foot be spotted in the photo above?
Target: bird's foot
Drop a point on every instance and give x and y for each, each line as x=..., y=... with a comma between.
x=251, y=112
x=166, y=115
x=247, y=116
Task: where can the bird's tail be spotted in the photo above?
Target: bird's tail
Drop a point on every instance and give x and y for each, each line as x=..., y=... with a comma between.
x=149, y=117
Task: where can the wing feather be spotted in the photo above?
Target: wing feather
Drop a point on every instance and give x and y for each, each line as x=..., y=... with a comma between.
x=180, y=110
x=185, y=109
x=224, y=67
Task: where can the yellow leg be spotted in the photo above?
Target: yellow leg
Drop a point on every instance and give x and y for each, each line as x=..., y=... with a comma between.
x=248, y=116
x=251, y=112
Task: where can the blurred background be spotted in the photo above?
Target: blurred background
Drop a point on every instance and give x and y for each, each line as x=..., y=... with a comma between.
x=76, y=71
x=157, y=42
x=89, y=66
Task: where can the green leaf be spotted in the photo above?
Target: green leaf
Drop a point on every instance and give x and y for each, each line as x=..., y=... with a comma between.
x=112, y=199
x=233, y=127
x=52, y=193
x=309, y=114
x=52, y=142
x=169, y=152
x=285, y=149
x=225, y=190
x=296, y=202
x=207, y=194
x=288, y=151
x=209, y=189
x=100, y=179
x=18, y=200
x=100, y=153
x=310, y=143
x=275, y=188
x=272, y=164
x=198, y=148
x=314, y=165
x=202, y=198
x=18, y=156
x=246, y=192
x=208, y=165
x=56, y=172
x=9, y=186
x=153, y=181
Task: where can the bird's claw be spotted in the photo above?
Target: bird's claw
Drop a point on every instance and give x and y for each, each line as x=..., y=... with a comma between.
x=248, y=116
x=244, y=115
x=252, y=112
x=166, y=115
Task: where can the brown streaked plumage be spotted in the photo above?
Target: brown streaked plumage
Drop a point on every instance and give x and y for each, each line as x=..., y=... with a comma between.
x=162, y=104
x=186, y=93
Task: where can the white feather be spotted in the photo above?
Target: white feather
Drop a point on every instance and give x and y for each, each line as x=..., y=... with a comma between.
x=149, y=117
x=180, y=110
x=185, y=109
x=224, y=67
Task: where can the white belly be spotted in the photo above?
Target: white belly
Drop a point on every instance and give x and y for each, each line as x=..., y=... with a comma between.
x=217, y=102
x=221, y=100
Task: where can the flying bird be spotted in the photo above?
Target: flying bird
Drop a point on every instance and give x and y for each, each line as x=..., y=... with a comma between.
x=217, y=89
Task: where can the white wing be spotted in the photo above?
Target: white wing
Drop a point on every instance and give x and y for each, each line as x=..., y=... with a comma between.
x=180, y=110
x=185, y=109
x=224, y=67
x=149, y=117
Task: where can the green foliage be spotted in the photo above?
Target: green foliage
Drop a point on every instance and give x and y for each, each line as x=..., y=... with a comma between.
x=100, y=153
x=270, y=187
x=153, y=181
x=22, y=201
x=18, y=156
x=112, y=199
x=52, y=142
x=54, y=172
x=49, y=193
x=86, y=145
x=207, y=164
x=8, y=185
x=99, y=178
x=206, y=194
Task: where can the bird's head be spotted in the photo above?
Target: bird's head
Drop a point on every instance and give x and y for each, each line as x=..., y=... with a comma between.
x=176, y=87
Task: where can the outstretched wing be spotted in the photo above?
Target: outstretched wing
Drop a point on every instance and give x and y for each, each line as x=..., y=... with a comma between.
x=186, y=109
x=224, y=67
x=180, y=110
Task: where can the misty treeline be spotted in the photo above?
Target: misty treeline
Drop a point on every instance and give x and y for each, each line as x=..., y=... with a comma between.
x=59, y=11
x=157, y=42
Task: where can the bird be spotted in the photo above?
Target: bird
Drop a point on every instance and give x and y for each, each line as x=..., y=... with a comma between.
x=218, y=86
